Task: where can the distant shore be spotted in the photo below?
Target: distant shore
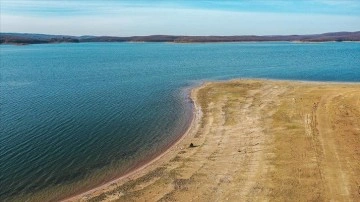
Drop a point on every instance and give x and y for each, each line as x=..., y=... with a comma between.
x=28, y=38
x=255, y=140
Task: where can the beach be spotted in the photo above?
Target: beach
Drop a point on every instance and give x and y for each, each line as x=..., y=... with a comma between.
x=255, y=140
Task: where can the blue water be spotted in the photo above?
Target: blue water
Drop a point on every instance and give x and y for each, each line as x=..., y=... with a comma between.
x=76, y=115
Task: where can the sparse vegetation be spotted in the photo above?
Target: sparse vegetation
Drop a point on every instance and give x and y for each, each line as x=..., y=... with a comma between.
x=262, y=140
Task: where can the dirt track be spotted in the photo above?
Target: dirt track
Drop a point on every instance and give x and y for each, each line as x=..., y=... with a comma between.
x=258, y=141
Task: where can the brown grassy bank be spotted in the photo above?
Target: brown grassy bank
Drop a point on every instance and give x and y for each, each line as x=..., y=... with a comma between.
x=257, y=140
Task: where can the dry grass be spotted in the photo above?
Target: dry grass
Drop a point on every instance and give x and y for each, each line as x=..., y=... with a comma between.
x=256, y=141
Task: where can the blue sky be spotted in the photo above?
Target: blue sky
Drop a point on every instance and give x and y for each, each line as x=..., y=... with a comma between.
x=186, y=17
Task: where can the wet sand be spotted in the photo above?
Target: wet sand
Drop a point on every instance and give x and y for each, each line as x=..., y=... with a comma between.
x=256, y=140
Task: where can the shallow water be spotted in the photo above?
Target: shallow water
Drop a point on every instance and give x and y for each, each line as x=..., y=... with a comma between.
x=77, y=115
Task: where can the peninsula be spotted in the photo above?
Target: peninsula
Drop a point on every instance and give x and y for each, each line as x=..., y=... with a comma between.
x=256, y=140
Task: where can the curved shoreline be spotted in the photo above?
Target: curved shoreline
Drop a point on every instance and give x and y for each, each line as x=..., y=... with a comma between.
x=247, y=137
x=153, y=163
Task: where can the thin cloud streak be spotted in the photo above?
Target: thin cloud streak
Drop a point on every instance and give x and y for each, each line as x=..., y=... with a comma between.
x=97, y=7
x=127, y=18
x=145, y=21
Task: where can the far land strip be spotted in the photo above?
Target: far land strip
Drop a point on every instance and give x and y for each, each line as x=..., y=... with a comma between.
x=256, y=140
x=27, y=38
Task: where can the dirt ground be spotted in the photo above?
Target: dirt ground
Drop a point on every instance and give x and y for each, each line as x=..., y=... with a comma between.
x=257, y=140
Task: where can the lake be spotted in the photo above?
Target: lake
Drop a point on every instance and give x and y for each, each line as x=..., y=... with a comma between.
x=74, y=116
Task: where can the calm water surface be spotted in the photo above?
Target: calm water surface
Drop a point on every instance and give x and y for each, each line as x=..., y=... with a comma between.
x=76, y=115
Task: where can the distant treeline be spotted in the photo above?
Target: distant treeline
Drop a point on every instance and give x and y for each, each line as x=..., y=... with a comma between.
x=25, y=38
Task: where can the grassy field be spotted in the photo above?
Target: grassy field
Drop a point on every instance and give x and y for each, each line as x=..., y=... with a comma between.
x=258, y=140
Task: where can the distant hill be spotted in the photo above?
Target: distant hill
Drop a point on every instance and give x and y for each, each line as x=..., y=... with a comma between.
x=26, y=38
x=20, y=38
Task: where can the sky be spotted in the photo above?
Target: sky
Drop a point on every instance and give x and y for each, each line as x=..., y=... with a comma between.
x=181, y=17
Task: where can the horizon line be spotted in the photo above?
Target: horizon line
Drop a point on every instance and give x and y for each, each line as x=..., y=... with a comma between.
x=38, y=33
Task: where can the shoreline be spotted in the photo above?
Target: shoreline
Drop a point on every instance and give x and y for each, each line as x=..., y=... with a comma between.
x=240, y=129
x=179, y=42
x=154, y=162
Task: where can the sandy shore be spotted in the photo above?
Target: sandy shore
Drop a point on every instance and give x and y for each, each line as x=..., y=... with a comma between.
x=256, y=140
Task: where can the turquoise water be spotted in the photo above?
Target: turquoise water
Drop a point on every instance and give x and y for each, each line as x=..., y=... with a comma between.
x=76, y=115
